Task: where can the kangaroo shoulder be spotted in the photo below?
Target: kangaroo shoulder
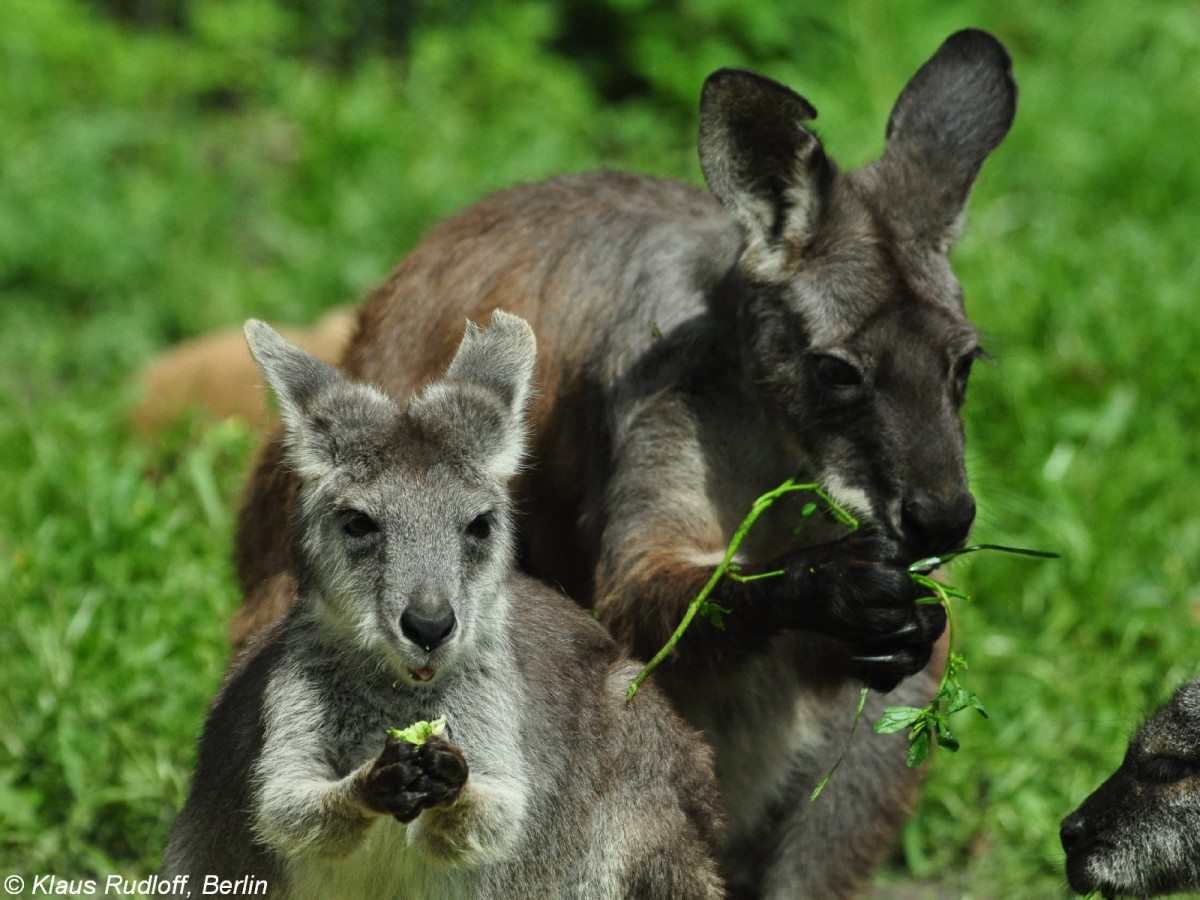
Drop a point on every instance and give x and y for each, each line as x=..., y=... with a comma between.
x=546, y=617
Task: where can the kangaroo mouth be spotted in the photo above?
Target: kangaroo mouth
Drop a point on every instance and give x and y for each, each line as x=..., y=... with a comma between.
x=424, y=673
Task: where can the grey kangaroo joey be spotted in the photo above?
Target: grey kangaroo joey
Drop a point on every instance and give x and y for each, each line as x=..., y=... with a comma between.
x=545, y=783
x=1138, y=834
x=696, y=349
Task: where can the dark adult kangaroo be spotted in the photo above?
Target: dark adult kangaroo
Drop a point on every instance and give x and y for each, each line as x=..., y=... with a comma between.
x=694, y=353
x=1138, y=834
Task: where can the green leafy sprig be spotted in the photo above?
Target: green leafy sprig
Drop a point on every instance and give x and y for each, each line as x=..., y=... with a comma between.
x=931, y=724
x=715, y=613
x=927, y=725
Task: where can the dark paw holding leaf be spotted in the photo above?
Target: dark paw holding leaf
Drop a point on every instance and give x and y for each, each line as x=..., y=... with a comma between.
x=408, y=778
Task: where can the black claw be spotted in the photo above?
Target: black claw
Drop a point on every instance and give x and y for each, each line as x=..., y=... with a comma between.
x=902, y=634
x=885, y=659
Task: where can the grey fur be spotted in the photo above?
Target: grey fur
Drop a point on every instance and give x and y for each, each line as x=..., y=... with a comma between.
x=569, y=791
x=1138, y=834
x=696, y=349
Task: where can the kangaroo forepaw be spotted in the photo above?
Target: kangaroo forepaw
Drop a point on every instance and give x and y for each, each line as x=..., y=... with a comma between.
x=407, y=778
x=883, y=661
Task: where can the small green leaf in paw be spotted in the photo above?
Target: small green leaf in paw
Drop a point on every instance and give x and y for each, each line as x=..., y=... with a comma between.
x=419, y=732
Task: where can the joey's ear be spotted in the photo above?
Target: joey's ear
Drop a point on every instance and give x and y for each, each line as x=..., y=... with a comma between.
x=295, y=376
x=954, y=111
x=297, y=379
x=500, y=358
x=760, y=161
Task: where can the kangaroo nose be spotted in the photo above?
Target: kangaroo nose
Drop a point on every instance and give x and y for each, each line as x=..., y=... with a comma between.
x=934, y=526
x=1073, y=828
x=427, y=631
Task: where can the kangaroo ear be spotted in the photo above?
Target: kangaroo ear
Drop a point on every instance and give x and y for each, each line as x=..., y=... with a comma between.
x=501, y=359
x=298, y=379
x=954, y=112
x=761, y=162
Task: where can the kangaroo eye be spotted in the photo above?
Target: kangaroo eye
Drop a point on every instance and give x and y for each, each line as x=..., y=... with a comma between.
x=357, y=524
x=481, y=526
x=835, y=372
x=1166, y=769
x=962, y=369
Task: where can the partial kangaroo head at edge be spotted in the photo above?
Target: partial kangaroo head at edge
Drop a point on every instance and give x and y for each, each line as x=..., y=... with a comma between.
x=850, y=322
x=403, y=538
x=1138, y=834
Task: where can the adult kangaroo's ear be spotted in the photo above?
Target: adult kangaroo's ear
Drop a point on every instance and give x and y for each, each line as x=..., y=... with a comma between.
x=500, y=358
x=760, y=161
x=953, y=113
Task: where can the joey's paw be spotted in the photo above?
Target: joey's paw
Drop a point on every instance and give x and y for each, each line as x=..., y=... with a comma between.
x=445, y=769
x=407, y=778
x=883, y=661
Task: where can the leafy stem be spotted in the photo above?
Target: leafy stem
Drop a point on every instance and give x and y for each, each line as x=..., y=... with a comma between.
x=926, y=726
x=932, y=723
x=701, y=605
x=858, y=711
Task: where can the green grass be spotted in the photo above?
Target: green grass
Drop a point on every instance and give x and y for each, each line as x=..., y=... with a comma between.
x=154, y=184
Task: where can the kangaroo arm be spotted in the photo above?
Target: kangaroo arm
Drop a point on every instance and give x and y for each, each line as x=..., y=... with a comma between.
x=666, y=537
x=853, y=591
x=302, y=806
x=644, y=602
x=304, y=814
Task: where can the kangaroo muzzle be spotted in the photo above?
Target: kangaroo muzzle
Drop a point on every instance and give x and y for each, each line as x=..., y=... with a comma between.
x=428, y=629
x=933, y=525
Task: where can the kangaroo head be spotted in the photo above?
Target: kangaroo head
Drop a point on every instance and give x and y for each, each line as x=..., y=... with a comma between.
x=850, y=321
x=403, y=536
x=1139, y=832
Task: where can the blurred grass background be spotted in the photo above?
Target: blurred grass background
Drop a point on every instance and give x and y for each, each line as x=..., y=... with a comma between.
x=170, y=166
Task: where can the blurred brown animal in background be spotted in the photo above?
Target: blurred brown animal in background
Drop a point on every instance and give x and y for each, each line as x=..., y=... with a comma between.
x=214, y=375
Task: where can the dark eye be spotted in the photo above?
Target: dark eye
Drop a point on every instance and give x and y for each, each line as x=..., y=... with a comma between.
x=962, y=368
x=481, y=526
x=357, y=524
x=1166, y=769
x=834, y=372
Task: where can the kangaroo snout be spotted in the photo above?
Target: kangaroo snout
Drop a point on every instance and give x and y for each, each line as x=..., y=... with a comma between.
x=1073, y=828
x=935, y=525
x=428, y=629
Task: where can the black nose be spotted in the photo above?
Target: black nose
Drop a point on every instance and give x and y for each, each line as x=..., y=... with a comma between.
x=427, y=630
x=1072, y=829
x=935, y=526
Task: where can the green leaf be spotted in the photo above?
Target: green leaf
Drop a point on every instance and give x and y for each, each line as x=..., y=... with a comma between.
x=715, y=613
x=960, y=699
x=918, y=750
x=897, y=718
x=419, y=732
x=945, y=737
x=932, y=562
